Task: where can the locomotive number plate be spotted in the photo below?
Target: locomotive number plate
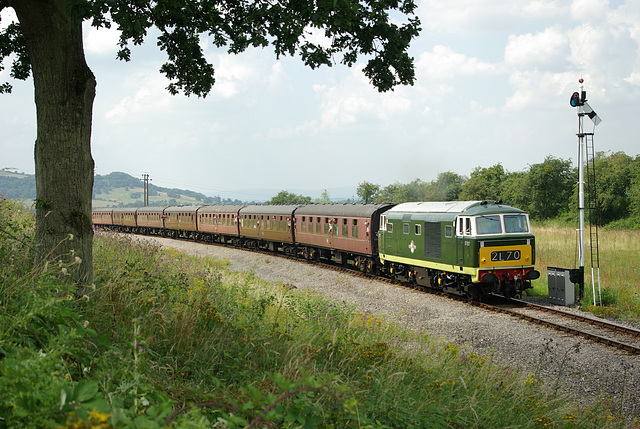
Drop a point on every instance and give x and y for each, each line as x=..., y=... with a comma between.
x=506, y=255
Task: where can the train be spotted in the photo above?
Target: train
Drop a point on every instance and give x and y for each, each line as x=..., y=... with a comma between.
x=471, y=248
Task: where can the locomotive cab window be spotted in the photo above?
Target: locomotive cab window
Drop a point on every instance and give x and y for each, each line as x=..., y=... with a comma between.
x=464, y=226
x=418, y=229
x=489, y=224
x=516, y=223
x=405, y=228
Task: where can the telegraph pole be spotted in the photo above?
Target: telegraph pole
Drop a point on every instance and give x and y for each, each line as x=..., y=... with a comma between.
x=145, y=180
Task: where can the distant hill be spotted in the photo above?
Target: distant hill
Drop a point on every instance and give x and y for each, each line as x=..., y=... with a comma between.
x=119, y=189
x=17, y=185
x=112, y=190
x=122, y=190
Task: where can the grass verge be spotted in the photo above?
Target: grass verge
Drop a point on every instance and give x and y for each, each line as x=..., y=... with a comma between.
x=619, y=292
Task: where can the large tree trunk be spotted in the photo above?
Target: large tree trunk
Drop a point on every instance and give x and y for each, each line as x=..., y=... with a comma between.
x=64, y=94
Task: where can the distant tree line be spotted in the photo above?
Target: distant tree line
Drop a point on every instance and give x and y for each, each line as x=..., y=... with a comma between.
x=18, y=187
x=548, y=190
x=285, y=197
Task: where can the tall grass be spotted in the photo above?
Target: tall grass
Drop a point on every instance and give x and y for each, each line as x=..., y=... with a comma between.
x=619, y=251
x=170, y=340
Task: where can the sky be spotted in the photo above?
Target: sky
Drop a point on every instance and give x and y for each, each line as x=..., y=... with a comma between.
x=493, y=83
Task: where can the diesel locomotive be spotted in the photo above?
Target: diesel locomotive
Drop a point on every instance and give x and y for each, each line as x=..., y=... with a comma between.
x=471, y=248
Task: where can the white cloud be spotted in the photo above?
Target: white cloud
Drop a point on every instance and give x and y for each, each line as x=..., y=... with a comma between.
x=444, y=63
x=544, y=49
x=546, y=90
x=354, y=101
x=317, y=37
x=151, y=96
x=234, y=72
x=543, y=9
x=633, y=78
x=487, y=16
x=277, y=75
x=587, y=10
x=100, y=40
x=7, y=16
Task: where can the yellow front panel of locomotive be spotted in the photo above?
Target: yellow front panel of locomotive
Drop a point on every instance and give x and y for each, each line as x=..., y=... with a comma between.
x=505, y=256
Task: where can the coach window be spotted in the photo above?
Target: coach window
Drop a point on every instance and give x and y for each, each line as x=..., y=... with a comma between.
x=354, y=229
x=418, y=229
x=345, y=228
x=405, y=228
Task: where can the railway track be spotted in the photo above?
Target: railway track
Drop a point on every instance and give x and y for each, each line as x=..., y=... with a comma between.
x=598, y=330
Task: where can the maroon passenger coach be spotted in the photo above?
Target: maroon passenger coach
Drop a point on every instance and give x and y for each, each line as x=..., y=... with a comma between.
x=268, y=226
x=346, y=232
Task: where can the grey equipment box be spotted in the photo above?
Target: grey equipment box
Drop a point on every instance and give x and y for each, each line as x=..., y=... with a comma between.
x=561, y=289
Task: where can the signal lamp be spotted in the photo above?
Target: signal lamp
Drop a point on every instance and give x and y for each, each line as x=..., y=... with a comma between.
x=575, y=100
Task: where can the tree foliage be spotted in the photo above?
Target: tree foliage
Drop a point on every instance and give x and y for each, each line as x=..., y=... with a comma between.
x=367, y=192
x=515, y=189
x=484, y=184
x=634, y=190
x=324, y=198
x=447, y=187
x=351, y=29
x=285, y=197
x=613, y=186
x=550, y=186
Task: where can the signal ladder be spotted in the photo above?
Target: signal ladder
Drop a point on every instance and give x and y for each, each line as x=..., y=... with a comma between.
x=593, y=213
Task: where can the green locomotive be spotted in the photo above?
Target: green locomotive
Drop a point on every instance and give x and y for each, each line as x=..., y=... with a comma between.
x=472, y=248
